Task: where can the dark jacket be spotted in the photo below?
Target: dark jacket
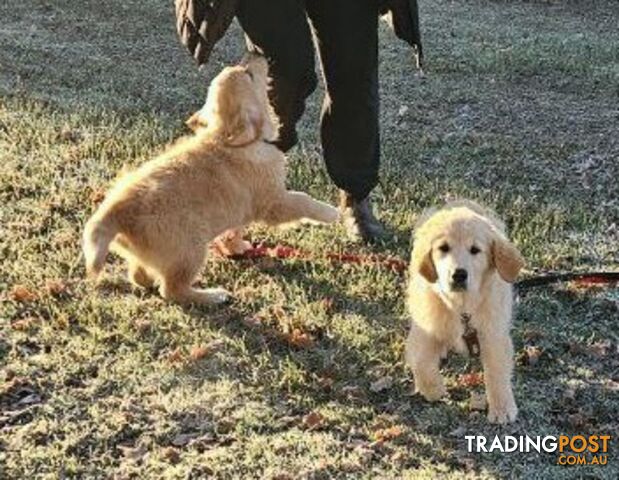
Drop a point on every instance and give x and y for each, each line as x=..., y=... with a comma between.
x=202, y=23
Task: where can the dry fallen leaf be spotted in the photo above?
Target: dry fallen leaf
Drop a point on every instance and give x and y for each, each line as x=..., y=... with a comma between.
x=253, y=322
x=282, y=476
x=68, y=135
x=326, y=383
x=97, y=196
x=576, y=420
x=532, y=335
x=385, y=434
x=171, y=454
x=142, y=325
x=327, y=304
x=467, y=462
x=473, y=379
x=55, y=287
x=198, y=352
x=25, y=324
x=569, y=393
x=132, y=453
x=597, y=349
x=175, y=356
x=300, y=339
x=611, y=385
x=477, y=401
x=183, y=439
x=21, y=293
x=533, y=354
x=381, y=384
x=313, y=420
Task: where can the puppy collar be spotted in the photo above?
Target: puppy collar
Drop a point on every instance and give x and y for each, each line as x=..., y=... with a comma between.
x=470, y=335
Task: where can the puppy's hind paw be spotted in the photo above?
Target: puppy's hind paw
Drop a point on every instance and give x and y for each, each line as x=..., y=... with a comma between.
x=217, y=295
x=210, y=296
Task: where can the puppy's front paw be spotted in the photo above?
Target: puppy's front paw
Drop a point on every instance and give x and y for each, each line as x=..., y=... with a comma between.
x=502, y=413
x=332, y=214
x=325, y=213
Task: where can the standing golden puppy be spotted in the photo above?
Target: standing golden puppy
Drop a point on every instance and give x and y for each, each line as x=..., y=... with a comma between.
x=161, y=217
x=460, y=298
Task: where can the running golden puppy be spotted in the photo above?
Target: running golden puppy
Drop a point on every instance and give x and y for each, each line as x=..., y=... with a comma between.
x=161, y=217
x=460, y=274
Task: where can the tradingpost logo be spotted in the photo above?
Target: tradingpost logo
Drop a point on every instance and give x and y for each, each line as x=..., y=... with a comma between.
x=570, y=449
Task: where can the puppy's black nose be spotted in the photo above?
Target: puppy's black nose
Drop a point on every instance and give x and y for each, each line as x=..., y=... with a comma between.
x=459, y=276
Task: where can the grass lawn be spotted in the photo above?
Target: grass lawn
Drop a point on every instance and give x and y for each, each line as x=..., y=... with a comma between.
x=518, y=110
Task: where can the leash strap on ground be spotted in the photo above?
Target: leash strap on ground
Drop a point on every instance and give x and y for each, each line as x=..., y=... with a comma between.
x=400, y=266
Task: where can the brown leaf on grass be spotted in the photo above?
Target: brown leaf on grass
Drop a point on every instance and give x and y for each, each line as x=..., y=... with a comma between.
x=600, y=349
x=253, y=322
x=611, y=385
x=576, y=420
x=532, y=354
x=282, y=476
x=597, y=349
x=278, y=313
x=55, y=287
x=198, y=352
x=472, y=379
x=386, y=434
x=326, y=383
x=175, y=356
x=183, y=439
x=313, y=420
x=97, y=195
x=25, y=324
x=381, y=384
x=171, y=454
x=299, y=339
x=132, y=453
x=62, y=321
x=327, y=304
x=532, y=335
x=569, y=394
x=67, y=134
x=22, y=294
x=467, y=462
x=352, y=392
x=477, y=401
x=142, y=325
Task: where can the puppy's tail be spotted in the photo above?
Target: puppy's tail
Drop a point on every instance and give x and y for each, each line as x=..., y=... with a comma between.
x=99, y=232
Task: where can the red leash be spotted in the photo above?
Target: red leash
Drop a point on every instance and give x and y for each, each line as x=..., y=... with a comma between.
x=285, y=252
x=399, y=266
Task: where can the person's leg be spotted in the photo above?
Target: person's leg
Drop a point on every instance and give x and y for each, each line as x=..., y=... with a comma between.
x=278, y=29
x=347, y=38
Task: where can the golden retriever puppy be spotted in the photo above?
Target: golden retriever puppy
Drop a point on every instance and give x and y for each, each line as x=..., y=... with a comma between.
x=161, y=217
x=461, y=269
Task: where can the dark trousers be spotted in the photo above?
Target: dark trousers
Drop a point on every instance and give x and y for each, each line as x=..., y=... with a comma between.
x=346, y=36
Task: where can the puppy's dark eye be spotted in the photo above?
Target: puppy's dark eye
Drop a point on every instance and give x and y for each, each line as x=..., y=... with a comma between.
x=475, y=250
x=251, y=75
x=444, y=248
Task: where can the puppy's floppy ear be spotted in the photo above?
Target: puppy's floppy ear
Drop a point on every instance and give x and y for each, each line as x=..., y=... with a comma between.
x=422, y=262
x=506, y=258
x=244, y=126
x=196, y=121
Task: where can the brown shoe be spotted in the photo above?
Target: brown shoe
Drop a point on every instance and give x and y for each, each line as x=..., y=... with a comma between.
x=359, y=219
